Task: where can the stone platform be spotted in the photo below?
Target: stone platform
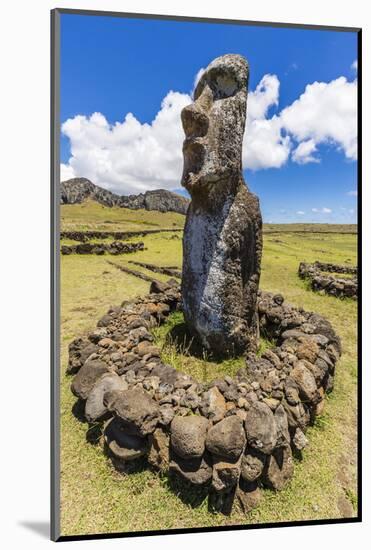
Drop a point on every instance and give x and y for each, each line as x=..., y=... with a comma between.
x=234, y=435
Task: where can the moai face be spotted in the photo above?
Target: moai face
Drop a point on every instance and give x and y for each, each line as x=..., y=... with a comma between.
x=214, y=125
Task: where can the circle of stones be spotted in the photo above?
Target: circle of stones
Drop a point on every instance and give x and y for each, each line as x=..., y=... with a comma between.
x=233, y=435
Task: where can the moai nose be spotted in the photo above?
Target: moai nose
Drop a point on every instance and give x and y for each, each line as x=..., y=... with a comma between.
x=195, y=121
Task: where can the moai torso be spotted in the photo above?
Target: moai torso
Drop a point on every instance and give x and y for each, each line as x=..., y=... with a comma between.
x=222, y=238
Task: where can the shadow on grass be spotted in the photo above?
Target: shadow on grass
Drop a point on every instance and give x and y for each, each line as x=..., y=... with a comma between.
x=188, y=493
x=78, y=411
x=184, y=342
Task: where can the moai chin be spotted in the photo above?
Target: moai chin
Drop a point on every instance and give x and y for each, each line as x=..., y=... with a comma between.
x=222, y=241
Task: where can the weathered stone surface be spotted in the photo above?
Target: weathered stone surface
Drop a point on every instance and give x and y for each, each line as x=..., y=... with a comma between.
x=297, y=415
x=167, y=414
x=280, y=468
x=123, y=445
x=213, y=404
x=283, y=435
x=226, y=474
x=261, y=428
x=94, y=406
x=249, y=496
x=79, y=351
x=306, y=382
x=222, y=240
x=319, y=408
x=158, y=456
x=308, y=349
x=196, y=470
x=299, y=440
x=137, y=411
x=227, y=438
x=252, y=464
x=188, y=436
x=87, y=376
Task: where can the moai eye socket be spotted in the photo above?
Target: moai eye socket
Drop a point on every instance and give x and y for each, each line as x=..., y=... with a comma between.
x=223, y=83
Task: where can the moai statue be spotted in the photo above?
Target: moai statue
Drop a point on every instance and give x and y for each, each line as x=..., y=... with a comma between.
x=222, y=241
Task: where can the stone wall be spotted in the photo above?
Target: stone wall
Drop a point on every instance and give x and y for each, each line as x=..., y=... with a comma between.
x=341, y=287
x=233, y=435
x=84, y=236
x=117, y=247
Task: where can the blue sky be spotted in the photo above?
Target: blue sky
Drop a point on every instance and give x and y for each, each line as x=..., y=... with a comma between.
x=115, y=66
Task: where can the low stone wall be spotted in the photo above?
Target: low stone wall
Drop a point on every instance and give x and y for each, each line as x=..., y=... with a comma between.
x=233, y=435
x=84, y=236
x=117, y=247
x=340, y=287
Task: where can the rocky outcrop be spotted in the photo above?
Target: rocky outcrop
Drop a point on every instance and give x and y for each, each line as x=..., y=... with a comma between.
x=233, y=435
x=78, y=190
x=222, y=242
x=321, y=280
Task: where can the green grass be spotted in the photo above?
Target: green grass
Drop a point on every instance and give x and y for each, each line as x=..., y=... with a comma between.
x=95, y=498
x=309, y=228
x=92, y=216
x=186, y=355
x=183, y=353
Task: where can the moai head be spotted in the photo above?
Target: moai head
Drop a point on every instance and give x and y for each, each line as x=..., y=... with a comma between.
x=214, y=126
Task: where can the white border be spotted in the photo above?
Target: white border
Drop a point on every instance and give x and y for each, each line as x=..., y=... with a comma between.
x=25, y=77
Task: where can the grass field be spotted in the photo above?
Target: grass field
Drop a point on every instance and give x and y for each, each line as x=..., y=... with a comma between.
x=91, y=216
x=95, y=498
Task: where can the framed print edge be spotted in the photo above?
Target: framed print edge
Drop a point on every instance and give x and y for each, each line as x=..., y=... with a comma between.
x=55, y=278
x=55, y=282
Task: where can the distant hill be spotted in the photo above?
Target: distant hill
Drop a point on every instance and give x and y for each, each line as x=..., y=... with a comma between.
x=78, y=190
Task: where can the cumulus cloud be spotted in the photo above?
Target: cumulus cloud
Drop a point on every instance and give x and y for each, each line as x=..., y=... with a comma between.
x=353, y=193
x=264, y=146
x=323, y=210
x=303, y=152
x=300, y=212
x=129, y=156
x=354, y=65
x=325, y=113
x=67, y=172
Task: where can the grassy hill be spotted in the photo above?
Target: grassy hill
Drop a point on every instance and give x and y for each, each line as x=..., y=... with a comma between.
x=91, y=215
x=94, y=497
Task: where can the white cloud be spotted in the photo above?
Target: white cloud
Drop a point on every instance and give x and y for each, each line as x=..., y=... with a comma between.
x=303, y=153
x=325, y=113
x=67, y=172
x=354, y=65
x=265, y=96
x=353, y=193
x=323, y=210
x=130, y=156
x=300, y=212
x=263, y=144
